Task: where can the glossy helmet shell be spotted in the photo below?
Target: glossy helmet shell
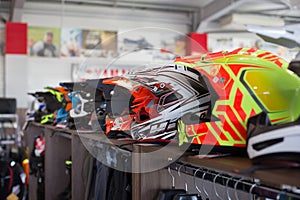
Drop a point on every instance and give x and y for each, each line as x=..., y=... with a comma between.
x=243, y=83
x=154, y=99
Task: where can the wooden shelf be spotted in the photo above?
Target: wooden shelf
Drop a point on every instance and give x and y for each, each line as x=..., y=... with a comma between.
x=145, y=183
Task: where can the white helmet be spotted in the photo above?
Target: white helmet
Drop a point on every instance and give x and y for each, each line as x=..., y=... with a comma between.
x=277, y=143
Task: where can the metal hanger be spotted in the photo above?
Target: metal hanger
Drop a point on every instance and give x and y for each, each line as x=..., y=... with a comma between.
x=185, y=196
x=168, y=194
x=235, y=187
x=173, y=178
x=196, y=186
x=179, y=174
x=227, y=189
x=203, y=186
x=215, y=188
x=251, y=189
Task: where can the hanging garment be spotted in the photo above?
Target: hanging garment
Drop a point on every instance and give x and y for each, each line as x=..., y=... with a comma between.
x=12, y=179
x=89, y=177
x=119, y=186
x=112, y=184
x=36, y=164
x=103, y=177
x=67, y=193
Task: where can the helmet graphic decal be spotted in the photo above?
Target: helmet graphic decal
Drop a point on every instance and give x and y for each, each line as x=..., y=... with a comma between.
x=246, y=83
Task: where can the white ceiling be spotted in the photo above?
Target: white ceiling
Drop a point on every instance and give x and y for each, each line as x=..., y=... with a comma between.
x=206, y=15
x=253, y=11
x=187, y=3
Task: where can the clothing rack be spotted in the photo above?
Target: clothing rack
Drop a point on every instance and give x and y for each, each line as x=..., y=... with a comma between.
x=235, y=181
x=13, y=120
x=8, y=115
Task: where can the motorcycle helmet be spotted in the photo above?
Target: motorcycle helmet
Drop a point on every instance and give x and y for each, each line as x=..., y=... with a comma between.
x=242, y=83
x=44, y=110
x=277, y=143
x=146, y=104
x=85, y=102
x=273, y=143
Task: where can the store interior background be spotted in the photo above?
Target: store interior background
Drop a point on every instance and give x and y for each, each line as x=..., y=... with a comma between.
x=223, y=22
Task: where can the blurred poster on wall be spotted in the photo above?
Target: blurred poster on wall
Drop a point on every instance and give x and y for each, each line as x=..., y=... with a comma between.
x=225, y=42
x=175, y=43
x=71, y=42
x=153, y=44
x=99, y=43
x=43, y=42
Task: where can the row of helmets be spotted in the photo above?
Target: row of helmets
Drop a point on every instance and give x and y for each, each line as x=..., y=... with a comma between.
x=232, y=100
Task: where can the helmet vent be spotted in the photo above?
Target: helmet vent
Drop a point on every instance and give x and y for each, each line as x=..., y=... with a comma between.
x=261, y=145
